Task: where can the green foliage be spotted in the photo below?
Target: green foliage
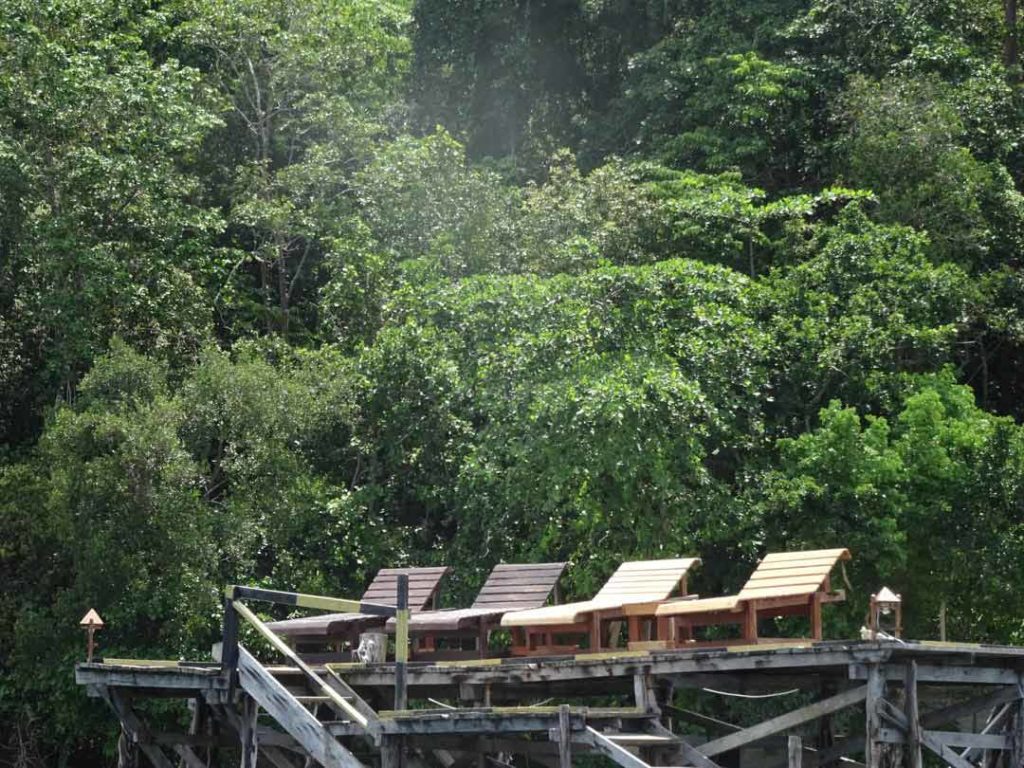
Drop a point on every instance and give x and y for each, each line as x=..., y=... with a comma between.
x=904, y=144
x=102, y=231
x=862, y=307
x=291, y=291
x=736, y=110
x=931, y=498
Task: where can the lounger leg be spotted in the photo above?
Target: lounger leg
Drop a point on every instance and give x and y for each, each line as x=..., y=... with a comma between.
x=481, y=640
x=750, y=622
x=666, y=629
x=595, y=632
x=816, y=616
x=681, y=631
x=634, y=629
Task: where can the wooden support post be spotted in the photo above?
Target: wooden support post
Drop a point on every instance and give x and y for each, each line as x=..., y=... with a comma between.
x=872, y=717
x=247, y=735
x=826, y=736
x=229, y=641
x=127, y=750
x=1017, y=736
x=402, y=643
x=642, y=693
x=914, y=758
x=135, y=729
x=796, y=751
x=390, y=752
x=564, y=736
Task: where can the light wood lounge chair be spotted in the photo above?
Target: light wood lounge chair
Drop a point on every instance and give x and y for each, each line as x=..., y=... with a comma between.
x=510, y=587
x=784, y=584
x=337, y=629
x=640, y=581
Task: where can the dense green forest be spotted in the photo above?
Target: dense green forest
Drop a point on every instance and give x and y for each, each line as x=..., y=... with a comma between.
x=290, y=291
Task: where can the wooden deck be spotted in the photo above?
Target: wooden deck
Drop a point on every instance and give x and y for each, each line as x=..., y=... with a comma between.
x=910, y=698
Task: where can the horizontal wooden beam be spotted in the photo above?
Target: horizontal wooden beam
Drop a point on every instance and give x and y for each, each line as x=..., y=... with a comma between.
x=943, y=751
x=300, y=600
x=951, y=738
x=605, y=667
x=785, y=722
x=180, y=678
x=482, y=723
x=953, y=712
x=952, y=674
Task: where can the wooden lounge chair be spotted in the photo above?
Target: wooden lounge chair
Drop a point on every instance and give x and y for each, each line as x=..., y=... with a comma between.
x=337, y=629
x=784, y=584
x=510, y=587
x=639, y=581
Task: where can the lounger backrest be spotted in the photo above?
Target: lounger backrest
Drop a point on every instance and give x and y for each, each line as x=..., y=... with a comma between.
x=788, y=574
x=424, y=584
x=516, y=587
x=639, y=581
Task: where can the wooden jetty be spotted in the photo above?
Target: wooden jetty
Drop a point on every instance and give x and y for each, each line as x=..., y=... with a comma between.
x=857, y=703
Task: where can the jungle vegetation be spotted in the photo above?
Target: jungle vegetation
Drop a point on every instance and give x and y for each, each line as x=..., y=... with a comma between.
x=291, y=291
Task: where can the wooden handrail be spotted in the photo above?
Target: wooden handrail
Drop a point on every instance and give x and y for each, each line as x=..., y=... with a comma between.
x=319, y=602
x=234, y=607
x=282, y=647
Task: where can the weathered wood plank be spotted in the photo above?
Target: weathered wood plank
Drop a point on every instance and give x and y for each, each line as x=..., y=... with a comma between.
x=795, y=751
x=185, y=679
x=564, y=738
x=390, y=752
x=953, y=674
x=135, y=728
x=337, y=701
x=912, y=712
x=963, y=709
x=610, y=749
x=998, y=741
x=994, y=723
x=784, y=722
x=248, y=712
x=1016, y=734
x=944, y=752
x=291, y=715
x=873, y=703
x=188, y=757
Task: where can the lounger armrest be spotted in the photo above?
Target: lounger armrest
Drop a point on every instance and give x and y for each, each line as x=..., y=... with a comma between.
x=836, y=596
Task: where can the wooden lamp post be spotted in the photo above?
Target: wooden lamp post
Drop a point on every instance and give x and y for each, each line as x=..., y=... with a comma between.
x=90, y=623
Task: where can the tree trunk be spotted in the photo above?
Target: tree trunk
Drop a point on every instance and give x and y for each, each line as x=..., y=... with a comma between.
x=1010, y=38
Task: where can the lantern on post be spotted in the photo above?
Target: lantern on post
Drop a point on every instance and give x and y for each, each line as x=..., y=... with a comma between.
x=90, y=623
x=888, y=606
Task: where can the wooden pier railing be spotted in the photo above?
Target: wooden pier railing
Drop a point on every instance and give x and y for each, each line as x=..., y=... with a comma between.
x=346, y=701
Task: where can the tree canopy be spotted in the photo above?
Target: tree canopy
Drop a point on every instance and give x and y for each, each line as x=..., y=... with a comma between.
x=292, y=291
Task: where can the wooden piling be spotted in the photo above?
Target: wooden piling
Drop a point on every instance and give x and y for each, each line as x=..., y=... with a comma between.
x=564, y=736
x=402, y=643
x=796, y=751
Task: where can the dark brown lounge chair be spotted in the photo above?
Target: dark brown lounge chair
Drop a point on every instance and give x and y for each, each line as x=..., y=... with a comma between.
x=509, y=588
x=338, y=628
